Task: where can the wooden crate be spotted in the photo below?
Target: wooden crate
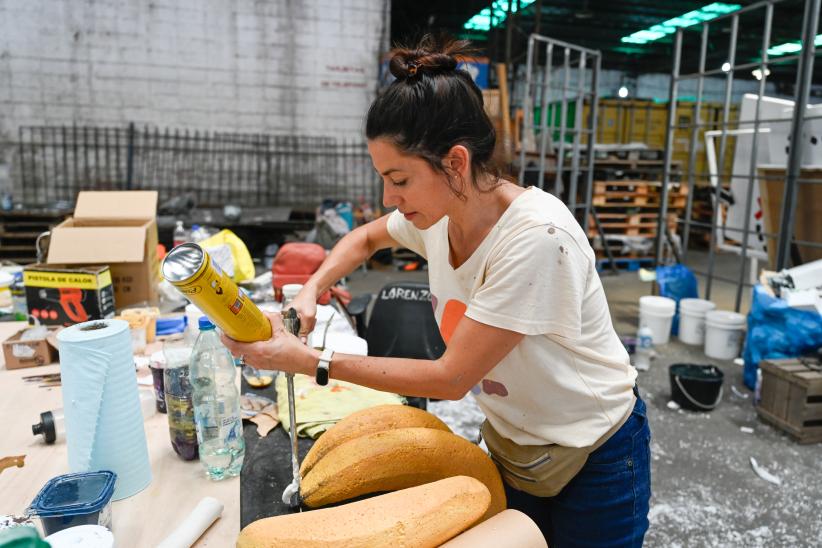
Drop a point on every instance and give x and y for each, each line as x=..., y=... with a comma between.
x=791, y=397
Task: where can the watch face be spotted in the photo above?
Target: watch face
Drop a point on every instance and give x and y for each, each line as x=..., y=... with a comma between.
x=322, y=375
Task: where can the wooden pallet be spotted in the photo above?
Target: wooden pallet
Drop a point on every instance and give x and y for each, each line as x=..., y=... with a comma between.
x=791, y=397
x=629, y=224
x=636, y=193
x=629, y=263
x=19, y=230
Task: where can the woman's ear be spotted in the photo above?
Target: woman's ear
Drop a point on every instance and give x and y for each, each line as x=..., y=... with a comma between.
x=458, y=162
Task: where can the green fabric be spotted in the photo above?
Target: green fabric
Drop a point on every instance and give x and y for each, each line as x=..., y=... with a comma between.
x=21, y=537
x=318, y=408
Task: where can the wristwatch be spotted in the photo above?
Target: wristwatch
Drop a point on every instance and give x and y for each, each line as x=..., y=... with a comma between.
x=323, y=366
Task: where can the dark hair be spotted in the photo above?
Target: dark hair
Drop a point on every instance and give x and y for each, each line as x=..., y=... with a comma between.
x=432, y=106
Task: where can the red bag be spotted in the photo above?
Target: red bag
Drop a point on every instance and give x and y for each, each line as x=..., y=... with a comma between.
x=294, y=263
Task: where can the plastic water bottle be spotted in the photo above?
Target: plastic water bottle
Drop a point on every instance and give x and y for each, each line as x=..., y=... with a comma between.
x=644, y=348
x=216, y=405
x=180, y=236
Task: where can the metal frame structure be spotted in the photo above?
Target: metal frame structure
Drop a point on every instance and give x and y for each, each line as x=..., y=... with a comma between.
x=727, y=128
x=540, y=88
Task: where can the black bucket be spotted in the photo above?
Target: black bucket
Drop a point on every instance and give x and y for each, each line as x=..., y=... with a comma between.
x=696, y=387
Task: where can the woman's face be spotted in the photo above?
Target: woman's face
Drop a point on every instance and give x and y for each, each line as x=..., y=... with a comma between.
x=411, y=184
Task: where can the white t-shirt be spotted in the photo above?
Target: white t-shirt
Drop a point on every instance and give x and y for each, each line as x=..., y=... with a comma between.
x=569, y=380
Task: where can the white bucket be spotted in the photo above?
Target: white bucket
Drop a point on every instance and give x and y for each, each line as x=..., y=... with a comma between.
x=692, y=320
x=723, y=334
x=657, y=313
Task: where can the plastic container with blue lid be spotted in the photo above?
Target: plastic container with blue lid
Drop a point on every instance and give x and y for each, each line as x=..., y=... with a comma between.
x=69, y=500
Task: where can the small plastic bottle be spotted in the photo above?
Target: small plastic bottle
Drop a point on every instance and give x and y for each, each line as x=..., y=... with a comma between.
x=180, y=236
x=216, y=405
x=644, y=348
x=18, y=298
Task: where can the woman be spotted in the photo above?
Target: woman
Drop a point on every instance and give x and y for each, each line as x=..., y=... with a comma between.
x=518, y=302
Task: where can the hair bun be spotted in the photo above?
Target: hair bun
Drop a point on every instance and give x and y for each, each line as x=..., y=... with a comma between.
x=431, y=56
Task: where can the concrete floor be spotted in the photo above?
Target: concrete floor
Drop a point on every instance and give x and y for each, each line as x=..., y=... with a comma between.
x=705, y=492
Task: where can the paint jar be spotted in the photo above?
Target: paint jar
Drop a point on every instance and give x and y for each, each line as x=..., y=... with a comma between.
x=657, y=313
x=692, y=320
x=69, y=500
x=178, y=395
x=723, y=334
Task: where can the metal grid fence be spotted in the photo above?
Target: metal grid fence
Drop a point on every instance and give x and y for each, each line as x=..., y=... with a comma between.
x=555, y=136
x=54, y=163
x=754, y=174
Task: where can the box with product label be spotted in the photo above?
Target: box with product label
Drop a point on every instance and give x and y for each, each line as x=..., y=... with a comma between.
x=68, y=294
x=21, y=351
x=115, y=228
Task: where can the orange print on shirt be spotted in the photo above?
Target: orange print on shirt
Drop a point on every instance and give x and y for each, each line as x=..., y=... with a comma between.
x=451, y=316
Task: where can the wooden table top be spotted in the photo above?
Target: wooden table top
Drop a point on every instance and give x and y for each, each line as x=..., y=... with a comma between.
x=141, y=520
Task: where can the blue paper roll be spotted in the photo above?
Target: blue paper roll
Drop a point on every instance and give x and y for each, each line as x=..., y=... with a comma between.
x=104, y=424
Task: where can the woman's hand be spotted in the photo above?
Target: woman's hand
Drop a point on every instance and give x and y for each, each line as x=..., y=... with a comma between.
x=305, y=303
x=282, y=352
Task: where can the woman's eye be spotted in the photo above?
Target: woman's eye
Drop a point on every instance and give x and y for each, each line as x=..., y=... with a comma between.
x=400, y=183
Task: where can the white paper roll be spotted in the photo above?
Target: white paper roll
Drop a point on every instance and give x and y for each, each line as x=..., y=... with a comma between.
x=195, y=524
x=104, y=425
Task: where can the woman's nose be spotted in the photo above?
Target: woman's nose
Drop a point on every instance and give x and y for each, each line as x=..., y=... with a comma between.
x=389, y=197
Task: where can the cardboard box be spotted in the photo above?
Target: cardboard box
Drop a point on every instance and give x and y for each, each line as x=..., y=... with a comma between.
x=67, y=294
x=44, y=353
x=119, y=229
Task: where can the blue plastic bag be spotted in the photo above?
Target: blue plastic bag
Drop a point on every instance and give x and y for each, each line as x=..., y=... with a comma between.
x=676, y=282
x=775, y=330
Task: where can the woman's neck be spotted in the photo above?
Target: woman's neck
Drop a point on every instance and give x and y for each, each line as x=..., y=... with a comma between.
x=481, y=209
x=471, y=219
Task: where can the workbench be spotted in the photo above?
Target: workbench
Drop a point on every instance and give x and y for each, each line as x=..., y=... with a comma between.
x=176, y=487
x=141, y=520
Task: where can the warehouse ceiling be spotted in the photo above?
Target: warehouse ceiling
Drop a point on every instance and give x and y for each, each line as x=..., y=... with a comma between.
x=602, y=25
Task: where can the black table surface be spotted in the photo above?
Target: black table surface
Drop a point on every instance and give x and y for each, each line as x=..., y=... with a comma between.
x=267, y=467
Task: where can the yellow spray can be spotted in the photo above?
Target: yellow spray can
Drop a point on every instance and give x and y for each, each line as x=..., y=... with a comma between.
x=190, y=269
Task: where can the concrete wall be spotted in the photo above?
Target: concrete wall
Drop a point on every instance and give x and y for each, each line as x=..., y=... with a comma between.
x=282, y=66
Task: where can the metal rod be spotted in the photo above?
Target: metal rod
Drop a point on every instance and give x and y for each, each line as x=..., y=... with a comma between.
x=723, y=140
x=766, y=41
x=739, y=68
x=292, y=324
x=562, y=44
x=572, y=190
x=526, y=107
x=700, y=86
x=563, y=114
x=719, y=278
x=746, y=9
x=130, y=157
x=543, y=115
x=804, y=78
x=605, y=245
x=669, y=143
x=592, y=124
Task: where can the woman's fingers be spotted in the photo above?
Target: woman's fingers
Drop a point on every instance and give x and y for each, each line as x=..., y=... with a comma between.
x=232, y=345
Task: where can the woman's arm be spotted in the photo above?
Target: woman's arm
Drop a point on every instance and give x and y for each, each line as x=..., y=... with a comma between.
x=354, y=248
x=473, y=350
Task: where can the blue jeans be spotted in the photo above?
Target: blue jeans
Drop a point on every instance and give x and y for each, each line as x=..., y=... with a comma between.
x=606, y=504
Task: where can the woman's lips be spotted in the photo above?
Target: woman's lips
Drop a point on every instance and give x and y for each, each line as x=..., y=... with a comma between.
x=409, y=216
